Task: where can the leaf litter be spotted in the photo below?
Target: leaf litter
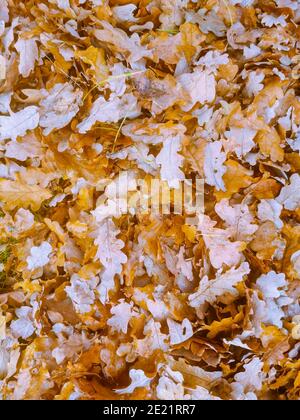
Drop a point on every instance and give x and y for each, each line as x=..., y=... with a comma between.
x=96, y=304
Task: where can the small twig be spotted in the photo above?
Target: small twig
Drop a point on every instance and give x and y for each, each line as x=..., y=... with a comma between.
x=120, y=128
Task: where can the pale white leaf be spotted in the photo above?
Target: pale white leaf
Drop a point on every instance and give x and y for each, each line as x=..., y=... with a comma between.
x=70, y=346
x=172, y=13
x=24, y=220
x=2, y=327
x=269, y=284
x=129, y=46
x=110, y=111
x=212, y=60
x=23, y=327
x=199, y=86
x=4, y=11
x=270, y=210
x=122, y=313
x=289, y=196
x=170, y=161
x=144, y=160
x=5, y=99
x=270, y=20
x=110, y=255
x=39, y=256
x=154, y=340
x=200, y=376
x=295, y=260
x=138, y=380
x=252, y=376
x=251, y=51
x=24, y=148
x=183, y=266
x=238, y=219
x=223, y=285
x=81, y=292
x=29, y=53
x=179, y=332
x=239, y=140
x=273, y=290
x=63, y=4
x=201, y=394
x=59, y=107
x=221, y=249
x=169, y=389
x=254, y=83
x=124, y=13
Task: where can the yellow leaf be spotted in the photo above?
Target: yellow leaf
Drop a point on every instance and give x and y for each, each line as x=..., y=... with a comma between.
x=190, y=232
x=224, y=326
x=191, y=38
x=269, y=144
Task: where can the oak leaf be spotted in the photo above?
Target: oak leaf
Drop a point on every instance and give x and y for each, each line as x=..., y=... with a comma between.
x=18, y=194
